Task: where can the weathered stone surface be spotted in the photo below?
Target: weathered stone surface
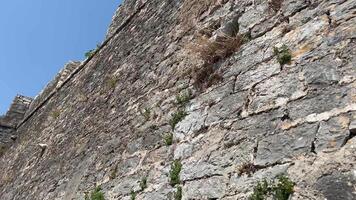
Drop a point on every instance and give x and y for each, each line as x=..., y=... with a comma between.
x=276, y=92
x=337, y=186
x=321, y=72
x=332, y=134
x=284, y=146
x=260, y=73
x=209, y=188
x=229, y=107
x=103, y=120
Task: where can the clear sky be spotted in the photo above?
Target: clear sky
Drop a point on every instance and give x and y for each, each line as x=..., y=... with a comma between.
x=38, y=37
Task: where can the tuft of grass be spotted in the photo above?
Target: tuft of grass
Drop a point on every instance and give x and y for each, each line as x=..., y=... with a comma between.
x=280, y=189
x=247, y=168
x=206, y=77
x=146, y=113
x=214, y=79
x=111, y=82
x=283, y=188
x=184, y=98
x=91, y=52
x=56, y=113
x=260, y=191
x=283, y=54
x=275, y=4
x=133, y=195
x=153, y=127
x=174, y=173
x=168, y=139
x=2, y=150
x=113, y=173
x=177, y=117
x=96, y=194
x=178, y=194
x=143, y=183
x=211, y=51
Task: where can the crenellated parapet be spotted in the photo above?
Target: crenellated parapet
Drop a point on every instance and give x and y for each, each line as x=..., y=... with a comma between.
x=16, y=112
x=56, y=83
x=12, y=118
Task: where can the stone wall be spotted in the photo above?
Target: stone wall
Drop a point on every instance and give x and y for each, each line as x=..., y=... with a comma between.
x=107, y=125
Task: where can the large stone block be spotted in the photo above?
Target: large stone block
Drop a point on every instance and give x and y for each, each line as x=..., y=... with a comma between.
x=286, y=145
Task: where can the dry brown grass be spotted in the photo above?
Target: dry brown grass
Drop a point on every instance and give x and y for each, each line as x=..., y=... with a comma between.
x=202, y=75
x=6, y=178
x=211, y=51
x=247, y=168
x=275, y=4
x=206, y=77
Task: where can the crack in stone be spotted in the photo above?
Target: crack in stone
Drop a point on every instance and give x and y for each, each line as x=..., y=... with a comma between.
x=351, y=135
x=312, y=146
x=202, y=177
x=312, y=118
x=279, y=21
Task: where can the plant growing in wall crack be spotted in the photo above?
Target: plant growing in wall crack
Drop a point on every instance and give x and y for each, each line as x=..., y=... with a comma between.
x=146, y=113
x=96, y=194
x=89, y=53
x=92, y=51
x=283, y=54
x=280, y=189
x=111, y=82
x=168, y=139
x=177, y=117
x=178, y=193
x=184, y=98
x=133, y=195
x=113, y=172
x=143, y=183
x=56, y=113
x=174, y=173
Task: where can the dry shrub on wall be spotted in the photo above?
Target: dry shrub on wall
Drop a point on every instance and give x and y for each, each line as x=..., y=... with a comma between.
x=7, y=178
x=206, y=76
x=275, y=4
x=202, y=75
x=211, y=51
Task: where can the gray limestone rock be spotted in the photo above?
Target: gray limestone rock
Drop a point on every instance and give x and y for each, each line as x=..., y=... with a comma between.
x=337, y=186
x=209, y=188
x=284, y=146
x=332, y=134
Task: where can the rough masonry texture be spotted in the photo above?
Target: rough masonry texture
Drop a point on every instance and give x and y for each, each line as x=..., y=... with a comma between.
x=102, y=122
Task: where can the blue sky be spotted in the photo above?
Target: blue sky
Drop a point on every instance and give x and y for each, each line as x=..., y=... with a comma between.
x=38, y=37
